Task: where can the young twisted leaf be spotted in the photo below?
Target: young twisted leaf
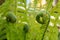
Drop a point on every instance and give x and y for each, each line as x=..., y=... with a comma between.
x=42, y=17
x=11, y=18
x=26, y=28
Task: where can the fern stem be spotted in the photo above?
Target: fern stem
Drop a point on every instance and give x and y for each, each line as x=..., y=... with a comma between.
x=46, y=28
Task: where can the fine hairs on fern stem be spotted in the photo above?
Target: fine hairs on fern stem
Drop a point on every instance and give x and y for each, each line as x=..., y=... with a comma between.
x=45, y=28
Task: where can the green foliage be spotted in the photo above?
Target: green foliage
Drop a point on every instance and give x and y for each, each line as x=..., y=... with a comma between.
x=59, y=36
x=3, y=30
x=25, y=21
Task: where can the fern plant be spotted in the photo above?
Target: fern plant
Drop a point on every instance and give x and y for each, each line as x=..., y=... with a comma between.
x=26, y=27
